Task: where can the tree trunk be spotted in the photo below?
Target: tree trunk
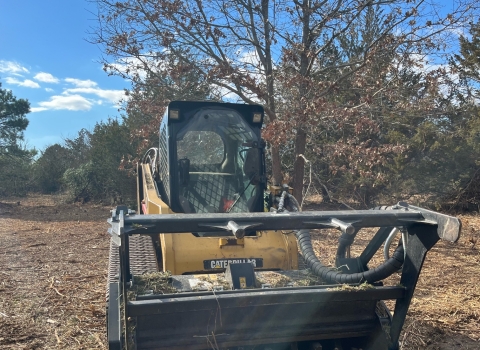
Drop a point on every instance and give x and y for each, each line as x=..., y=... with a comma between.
x=299, y=165
x=325, y=195
x=276, y=166
x=266, y=59
x=301, y=137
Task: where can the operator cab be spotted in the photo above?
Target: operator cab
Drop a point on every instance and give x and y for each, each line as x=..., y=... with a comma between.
x=216, y=155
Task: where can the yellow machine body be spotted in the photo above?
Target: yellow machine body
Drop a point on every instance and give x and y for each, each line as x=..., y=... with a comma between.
x=186, y=253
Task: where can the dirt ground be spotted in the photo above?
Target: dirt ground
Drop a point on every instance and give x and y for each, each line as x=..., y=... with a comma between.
x=53, y=264
x=53, y=259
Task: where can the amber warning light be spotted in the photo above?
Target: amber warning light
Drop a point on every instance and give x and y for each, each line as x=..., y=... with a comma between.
x=173, y=114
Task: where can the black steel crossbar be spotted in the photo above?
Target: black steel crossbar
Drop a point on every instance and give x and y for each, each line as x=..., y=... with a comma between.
x=124, y=223
x=178, y=296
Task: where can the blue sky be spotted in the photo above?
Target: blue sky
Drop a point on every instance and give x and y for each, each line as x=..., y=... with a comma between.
x=45, y=58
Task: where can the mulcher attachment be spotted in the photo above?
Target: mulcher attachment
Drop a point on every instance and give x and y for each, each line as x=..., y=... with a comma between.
x=348, y=315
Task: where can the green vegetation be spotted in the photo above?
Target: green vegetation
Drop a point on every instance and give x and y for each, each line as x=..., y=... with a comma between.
x=15, y=160
x=13, y=122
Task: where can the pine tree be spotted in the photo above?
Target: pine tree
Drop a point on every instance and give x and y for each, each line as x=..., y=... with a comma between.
x=468, y=62
x=12, y=121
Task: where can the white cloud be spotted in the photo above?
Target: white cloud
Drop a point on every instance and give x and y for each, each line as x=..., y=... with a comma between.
x=11, y=67
x=48, y=89
x=45, y=78
x=69, y=102
x=25, y=83
x=29, y=83
x=113, y=96
x=38, y=109
x=81, y=83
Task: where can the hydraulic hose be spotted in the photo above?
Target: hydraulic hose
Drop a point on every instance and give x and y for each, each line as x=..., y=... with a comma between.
x=388, y=242
x=344, y=243
x=281, y=202
x=330, y=275
x=293, y=202
x=290, y=205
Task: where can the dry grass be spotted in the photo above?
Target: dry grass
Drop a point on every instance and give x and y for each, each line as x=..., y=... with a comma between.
x=349, y=288
x=278, y=280
x=152, y=283
x=53, y=259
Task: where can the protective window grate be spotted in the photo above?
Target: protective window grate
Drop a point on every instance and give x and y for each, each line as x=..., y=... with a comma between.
x=163, y=162
x=236, y=133
x=213, y=193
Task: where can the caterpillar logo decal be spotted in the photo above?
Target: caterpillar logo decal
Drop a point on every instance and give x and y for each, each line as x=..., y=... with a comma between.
x=223, y=263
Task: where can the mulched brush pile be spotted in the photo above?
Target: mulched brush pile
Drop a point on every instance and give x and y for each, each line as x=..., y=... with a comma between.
x=53, y=268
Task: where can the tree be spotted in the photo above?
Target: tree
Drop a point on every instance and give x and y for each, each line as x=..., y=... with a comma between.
x=462, y=146
x=13, y=120
x=16, y=172
x=50, y=167
x=79, y=148
x=467, y=64
x=468, y=60
x=246, y=49
x=109, y=144
x=94, y=161
x=79, y=182
x=15, y=159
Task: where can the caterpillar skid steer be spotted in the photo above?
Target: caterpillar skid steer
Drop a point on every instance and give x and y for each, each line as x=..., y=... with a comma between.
x=213, y=258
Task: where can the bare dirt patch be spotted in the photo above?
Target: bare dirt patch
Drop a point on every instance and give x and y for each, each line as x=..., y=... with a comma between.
x=52, y=281
x=53, y=267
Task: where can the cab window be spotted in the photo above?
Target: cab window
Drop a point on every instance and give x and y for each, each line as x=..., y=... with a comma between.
x=201, y=147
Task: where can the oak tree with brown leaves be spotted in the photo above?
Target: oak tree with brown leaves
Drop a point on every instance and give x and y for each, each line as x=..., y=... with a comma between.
x=280, y=54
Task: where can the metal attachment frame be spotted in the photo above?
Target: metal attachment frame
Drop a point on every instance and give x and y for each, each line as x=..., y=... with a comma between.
x=424, y=229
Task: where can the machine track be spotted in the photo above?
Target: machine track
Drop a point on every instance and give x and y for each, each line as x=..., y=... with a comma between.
x=302, y=265
x=142, y=258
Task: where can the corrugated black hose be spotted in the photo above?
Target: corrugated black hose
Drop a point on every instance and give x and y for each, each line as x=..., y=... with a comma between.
x=330, y=275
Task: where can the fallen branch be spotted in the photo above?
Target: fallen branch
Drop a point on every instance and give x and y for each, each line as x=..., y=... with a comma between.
x=35, y=245
x=55, y=289
x=58, y=338
x=83, y=277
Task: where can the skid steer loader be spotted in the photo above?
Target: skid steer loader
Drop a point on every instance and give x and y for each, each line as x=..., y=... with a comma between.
x=211, y=259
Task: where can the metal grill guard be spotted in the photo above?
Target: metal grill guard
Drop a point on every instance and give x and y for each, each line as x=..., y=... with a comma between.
x=330, y=313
